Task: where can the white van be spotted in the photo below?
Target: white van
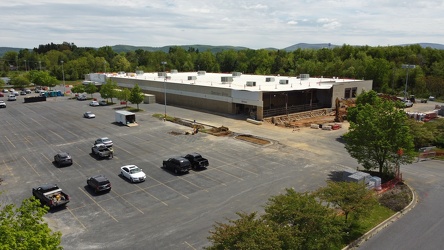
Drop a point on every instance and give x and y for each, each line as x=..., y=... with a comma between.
x=12, y=98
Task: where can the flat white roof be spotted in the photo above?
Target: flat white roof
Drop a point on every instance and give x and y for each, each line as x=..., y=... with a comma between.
x=277, y=84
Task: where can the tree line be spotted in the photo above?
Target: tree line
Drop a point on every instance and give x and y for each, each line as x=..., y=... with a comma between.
x=381, y=64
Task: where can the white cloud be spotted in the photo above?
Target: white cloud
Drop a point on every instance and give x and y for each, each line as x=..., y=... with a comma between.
x=254, y=24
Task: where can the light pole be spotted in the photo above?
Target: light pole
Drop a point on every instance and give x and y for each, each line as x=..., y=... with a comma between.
x=63, y=75
x=407, y=66
x=164, y=89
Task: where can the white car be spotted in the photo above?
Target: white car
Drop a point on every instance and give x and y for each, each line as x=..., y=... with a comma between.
x=133, y=173
x=12, y=98
x=104, y=140
x=2, y=104
x=408, y=103
x=94, y=103
x=89, y=114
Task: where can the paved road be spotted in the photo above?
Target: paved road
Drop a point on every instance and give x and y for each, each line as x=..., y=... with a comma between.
x=421, y=228
x=166, y=211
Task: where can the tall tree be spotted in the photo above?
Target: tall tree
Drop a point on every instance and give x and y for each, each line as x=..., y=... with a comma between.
x=108, y=90
x=91, y=89
x=247, y=232
x=124, y=95
x=379, y=136
x=306, y=218
x=23, y=227
x=350, y=197
x=136, y=96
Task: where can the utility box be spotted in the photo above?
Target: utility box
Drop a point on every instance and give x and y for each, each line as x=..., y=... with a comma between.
x=126, y=118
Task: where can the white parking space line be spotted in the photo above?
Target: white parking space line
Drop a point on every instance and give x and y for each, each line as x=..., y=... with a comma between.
x=123, y=198
x=217, y=169
x=189, y=245
x=211, y=178
x=75, y=217
x=9, y=141
x=163, y=184
x=164, y=203
x=33, y=168
x=110, y=215
x=183, y=178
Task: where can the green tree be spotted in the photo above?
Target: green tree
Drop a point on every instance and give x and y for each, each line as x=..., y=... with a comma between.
x=304, y=217
x=136, y=96
x=79, y=88
x=91, y=89
x=124, y=95
x=23, y=227
x=42, y=78
x=378, y=133
x=2, y=83
x=247, y=232
x=108, y=90
x=19, y=82
x=422, y=134
x=350, y=197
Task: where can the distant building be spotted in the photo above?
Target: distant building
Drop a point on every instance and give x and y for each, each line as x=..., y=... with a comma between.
x=256, y=95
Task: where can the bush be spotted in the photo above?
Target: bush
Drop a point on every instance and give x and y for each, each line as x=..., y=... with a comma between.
x=397, y=198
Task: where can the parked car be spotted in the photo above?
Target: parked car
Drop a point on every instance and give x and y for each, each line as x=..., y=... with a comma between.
x=63, y=159
x=104, y=140
x=50, y=195
x=81, y=97
x=103, y=102
x=12, y=98
x=133, y=173
x=89, y=114
x=431, y=98
x=2, y=104
x=28, y=91
x=22, y=92
x=1, y=94
x=408, y=103
x=15, y=93
x=99, y=183
x=94, y=103
x=177, y=165
x=5, y=91
x=197, y=161
x=102, y=151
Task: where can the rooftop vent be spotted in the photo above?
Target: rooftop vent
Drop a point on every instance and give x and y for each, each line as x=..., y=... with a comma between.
x=192, y=77
x=269, y=79
x=226, y=79
x=236, y=74
x=304, y=76
x=161, y=74
x=201, y=73
x=139, y=72
x=174, y=71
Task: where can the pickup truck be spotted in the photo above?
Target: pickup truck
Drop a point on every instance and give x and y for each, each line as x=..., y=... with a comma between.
x=102, y=150
x=50, y=195
x=197, y=161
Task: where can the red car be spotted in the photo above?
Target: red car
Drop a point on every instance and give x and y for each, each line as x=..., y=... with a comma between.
x=1, y=94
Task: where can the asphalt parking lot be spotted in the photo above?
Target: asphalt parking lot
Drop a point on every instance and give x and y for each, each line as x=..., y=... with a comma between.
x=166, y=211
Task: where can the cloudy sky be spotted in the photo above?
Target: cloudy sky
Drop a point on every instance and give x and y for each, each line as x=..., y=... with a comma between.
x=253, y=24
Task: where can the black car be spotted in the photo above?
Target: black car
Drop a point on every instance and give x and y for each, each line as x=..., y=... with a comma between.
x=177, y=165
x=99, y=183
x=63, y=159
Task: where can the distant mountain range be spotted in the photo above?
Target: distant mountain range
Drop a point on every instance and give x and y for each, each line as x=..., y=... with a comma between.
x=215, y=49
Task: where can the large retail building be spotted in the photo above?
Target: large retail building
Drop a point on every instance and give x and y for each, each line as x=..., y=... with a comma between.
x=259, y=96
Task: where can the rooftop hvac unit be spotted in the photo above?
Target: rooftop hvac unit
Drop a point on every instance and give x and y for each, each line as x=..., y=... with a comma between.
x=139, y=72
x=283, y=81
x=251, y=84
x=304, y=76
x=201, y=73
x=226, y=79
x=174, y=71
x=269, y=79
x=192, y=77
x=161, y=74
x=168, y=77
x=236, y=74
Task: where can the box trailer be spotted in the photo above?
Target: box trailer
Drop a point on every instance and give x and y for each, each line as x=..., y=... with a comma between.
x=126, y=118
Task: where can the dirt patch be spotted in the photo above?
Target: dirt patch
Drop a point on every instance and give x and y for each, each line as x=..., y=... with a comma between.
x=253, y=139
x=220, y=131
x=174, y=133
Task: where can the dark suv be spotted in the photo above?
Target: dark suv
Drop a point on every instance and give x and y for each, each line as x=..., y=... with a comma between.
x=177, y=165
x=99, y=183
x=63, y=159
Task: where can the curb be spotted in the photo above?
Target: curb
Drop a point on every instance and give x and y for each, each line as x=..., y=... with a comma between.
x=355, y=244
